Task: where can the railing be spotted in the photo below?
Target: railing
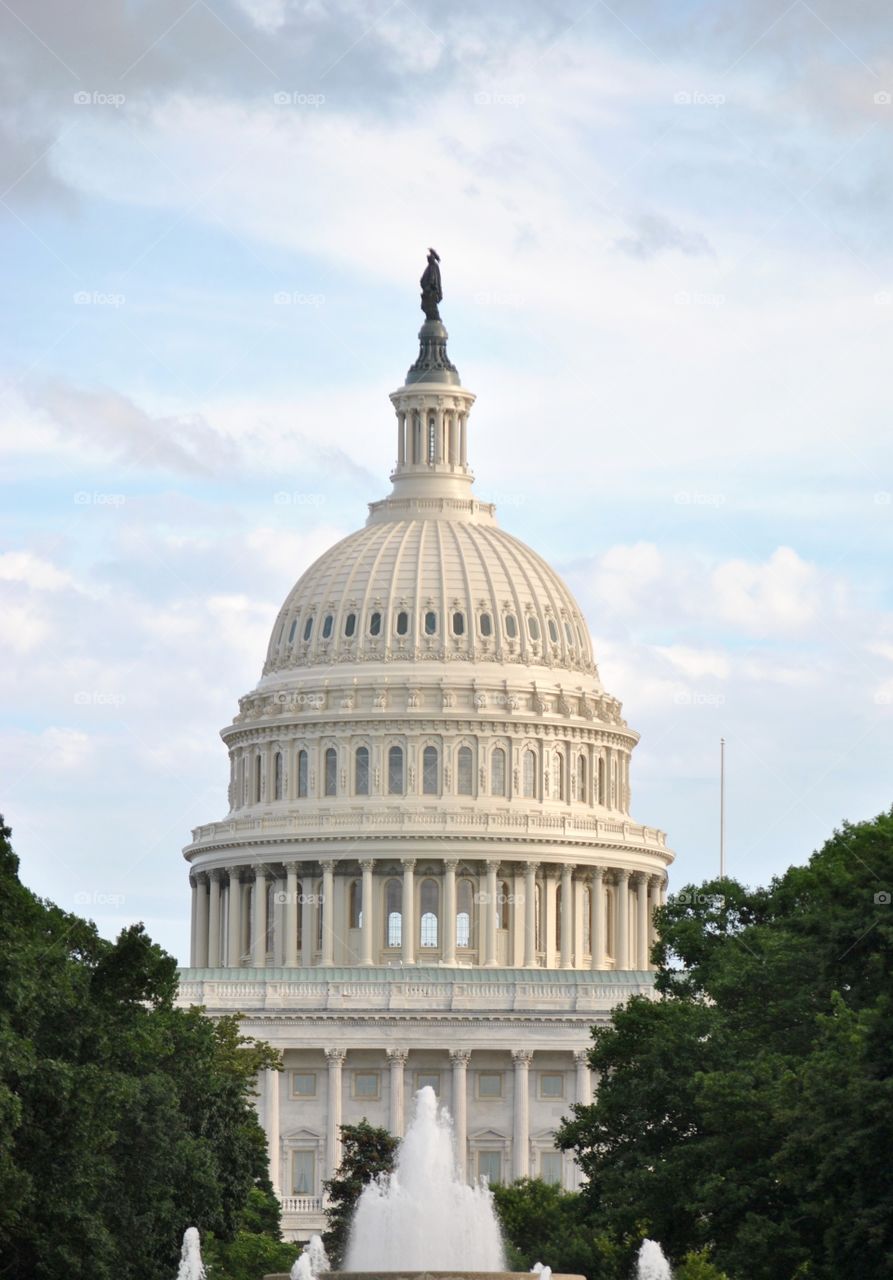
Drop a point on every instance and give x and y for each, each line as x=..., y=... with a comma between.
x=301, y=1204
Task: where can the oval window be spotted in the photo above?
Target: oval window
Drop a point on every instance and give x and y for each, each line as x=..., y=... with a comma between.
x=569, y=634
x=350, y=625
x=553, y=631
x=486, y=625
x=375, y=624
x=402, y=623
x=328, y=624
x=511, y=626
x=458, y=624
x=533, y=627
x=430, y=623
x=291, y=631
x=308, y=627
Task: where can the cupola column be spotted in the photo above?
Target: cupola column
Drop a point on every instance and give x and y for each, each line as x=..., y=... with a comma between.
x=366, y=940
x=214, y=921
x=328, y=913
x=408, y=922
x=530, y=957
x=259, y=940
x=291, y=916
x=641, y=921
x=308, y=942
x=234, y=920
x=622, y=931
x=597, y=926
x=490, y=908
x=567, y=916
x=201, y=923
x=448, y=950
x=653, y=904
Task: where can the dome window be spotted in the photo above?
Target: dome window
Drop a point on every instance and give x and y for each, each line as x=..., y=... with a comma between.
x=497, y=772
x=528, y=776
x=331, y=772
x=569, y=634
x=553, y=631
x=458, y=623
x=327, y=626
x=361, y=771
x=486, y=624
x=430, y=623
x=533, y=627
x=464, y=772
x=395, y=771
x=302, y=775
x=580, y=636
x=375, y=624
x=511, y=626
x=402, y=623
x=308, y=628
x=291, y=631
x=350, y=625
x=429, y=772
x=393, y=913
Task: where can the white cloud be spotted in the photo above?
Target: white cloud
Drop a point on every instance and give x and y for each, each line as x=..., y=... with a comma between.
x=33, y=571
x=782, y=594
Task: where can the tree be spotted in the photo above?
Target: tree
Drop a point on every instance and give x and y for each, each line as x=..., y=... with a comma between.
x=367, y=1152
x=748, y=1115
x=123, y=1119
x=542, y=1223
x=256, y=1248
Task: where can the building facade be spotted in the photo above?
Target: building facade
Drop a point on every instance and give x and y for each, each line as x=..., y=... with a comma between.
x=428, y=873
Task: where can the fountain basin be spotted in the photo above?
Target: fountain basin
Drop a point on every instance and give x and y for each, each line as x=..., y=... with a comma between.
x=408, y=1274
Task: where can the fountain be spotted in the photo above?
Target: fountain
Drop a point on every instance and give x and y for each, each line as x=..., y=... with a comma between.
x=652, y=1265
x=191, y=1265
x=424, y=1222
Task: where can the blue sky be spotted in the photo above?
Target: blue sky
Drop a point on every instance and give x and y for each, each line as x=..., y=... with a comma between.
x=665, y=244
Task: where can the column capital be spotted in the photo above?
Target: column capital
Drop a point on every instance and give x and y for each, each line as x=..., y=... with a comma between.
x=216, y=875
x=622, y=875
x=552, y=873
x=408, y=864
x=336, y=1055
x=641, y=877
x=261, y=872
x=581, y=1057
x=493, y=864
x=598, y=873
x=450, y=864
x=328, y=865
x=234, y=873
x=460, y=1056
x=522, y=1057
x=367, y=864
x=531, y=868
x=397, y=1056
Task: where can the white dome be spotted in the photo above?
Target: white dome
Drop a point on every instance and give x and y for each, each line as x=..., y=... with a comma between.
x=422, y=586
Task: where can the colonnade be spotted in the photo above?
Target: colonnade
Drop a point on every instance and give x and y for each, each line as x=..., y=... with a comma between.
x=432, y=436
x=444, y=911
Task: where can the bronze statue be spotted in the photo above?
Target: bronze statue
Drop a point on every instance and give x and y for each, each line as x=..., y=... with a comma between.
x=432, y=292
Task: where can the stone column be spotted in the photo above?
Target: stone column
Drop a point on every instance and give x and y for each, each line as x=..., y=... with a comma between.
x=291, y=916
x=308, y=940
x=459, y=1059
x=521, y=1114
x=396, y=1063
x=530, y=957
x=366, y=937
x=328, y=913
x=401, y=439
x=408, y=924
x=448, y=950
x=201, y=922
x=193, y=888
x=641, y=921
x=214, y=921
x=608, y=799
x=597, y=924
x=259, y=943
x=653, y=904
x=234, y=928
x=621, y=960
x=335, y=1059
x=247, y=891
x=463, y=438
x=271, y=1124
x=490, y=918
x=583, y=1091
x=549, y=916
x=567, y=916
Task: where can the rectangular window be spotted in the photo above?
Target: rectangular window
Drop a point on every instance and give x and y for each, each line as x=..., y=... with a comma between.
x=550, y=1167
x=490, y=1166
x=303, y=1164
x=366, y=1084
x=489, y=1084
x=428, y=1079
x=303, y=1084
x=551, y=1084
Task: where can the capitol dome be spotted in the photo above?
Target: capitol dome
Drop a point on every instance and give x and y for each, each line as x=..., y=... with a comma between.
x=429, y=870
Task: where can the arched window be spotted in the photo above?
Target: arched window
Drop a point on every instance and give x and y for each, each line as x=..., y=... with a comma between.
x=350, y=625
x=402, y=623
x=486, y=624
x=464, y=909
x=302, y=775
x=497, y=772
x=600, y=798
x=511, y=626
x=553, y=631
x=503, y=905
x=569, y=633
x=396, y=785
x=430, y=623
x=308, y=627
x=328, y=626
x=291, y=631
x=533, y=627
x=375, y=623
x=528, y=780
x=429, y=896
x=558, y=776
x=258, y=778
x=581, y=778
x=277, y=776
x=393, y=917
x=464, y=772
x=355, y=904
x=361, y=771
x=458, y=623
x=429, y=772
x=331, y=772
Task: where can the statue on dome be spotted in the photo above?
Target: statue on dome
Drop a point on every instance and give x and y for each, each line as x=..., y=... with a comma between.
x=432, y=293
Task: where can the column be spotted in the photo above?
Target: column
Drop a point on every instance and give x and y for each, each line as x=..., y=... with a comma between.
x=401, y=438
x=530, y=956
x=271, y=1124
x=201, y=922
x=448, y=950
x=597, y=921
x=396, y=1063
x=192, y=931
x=259, y=941
x=521, y=1114
x=328, y=913
x=308, y=942
x=234, y=908
x=491, y=916
x=459, y=1059
x=291, y=916
x=608, y=800
x=583, y=1091
x=214, y=921
x=549, y=915
x=335, y=1059
x=408, y=923
x=246, y=890
x=641, y=921
x=622, y=929
x=653, y=904
x=567, y=915
x=366, y=938
x=463, y=438
x=277, y=943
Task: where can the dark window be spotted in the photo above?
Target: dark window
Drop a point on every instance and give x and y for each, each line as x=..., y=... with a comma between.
x=302, y=774
x=291, y=631
x=486, y=625
x=375, y=624
x=395, y=771
x=429, y=771
x=569, y=634
x=458, y=624
x=277, y=775
x=511, y=626
x=464, y=772
x=430, y=623
x=553, y=631
x=361, y=771
x=328, y=624
x=402, y=623
x=533, y=627
x=350, y=625
x=308, y=627
x=331, y=779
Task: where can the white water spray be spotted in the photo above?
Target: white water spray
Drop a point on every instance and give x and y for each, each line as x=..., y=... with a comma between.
x=312, y=1262
x=191, y=1265
x=652, y=1263
x=424, y=1217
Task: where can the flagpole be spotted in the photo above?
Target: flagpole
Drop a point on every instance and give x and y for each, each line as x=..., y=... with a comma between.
x=722, y=808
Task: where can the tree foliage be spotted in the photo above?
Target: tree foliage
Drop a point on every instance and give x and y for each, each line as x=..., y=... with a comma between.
x=123, y=1120
x=542, y=1223
x=747, y=1117
x=367, y=1152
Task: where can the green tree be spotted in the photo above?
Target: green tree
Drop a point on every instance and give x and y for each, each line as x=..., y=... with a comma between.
x=542, y=1223
x=367, y=1152
x=123, y=1119
x=257, y=1246
x=748, y=1115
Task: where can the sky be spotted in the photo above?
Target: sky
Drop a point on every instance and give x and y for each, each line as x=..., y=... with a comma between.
x=665, y=244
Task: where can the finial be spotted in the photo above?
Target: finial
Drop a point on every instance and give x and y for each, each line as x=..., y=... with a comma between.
x=432, y=293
